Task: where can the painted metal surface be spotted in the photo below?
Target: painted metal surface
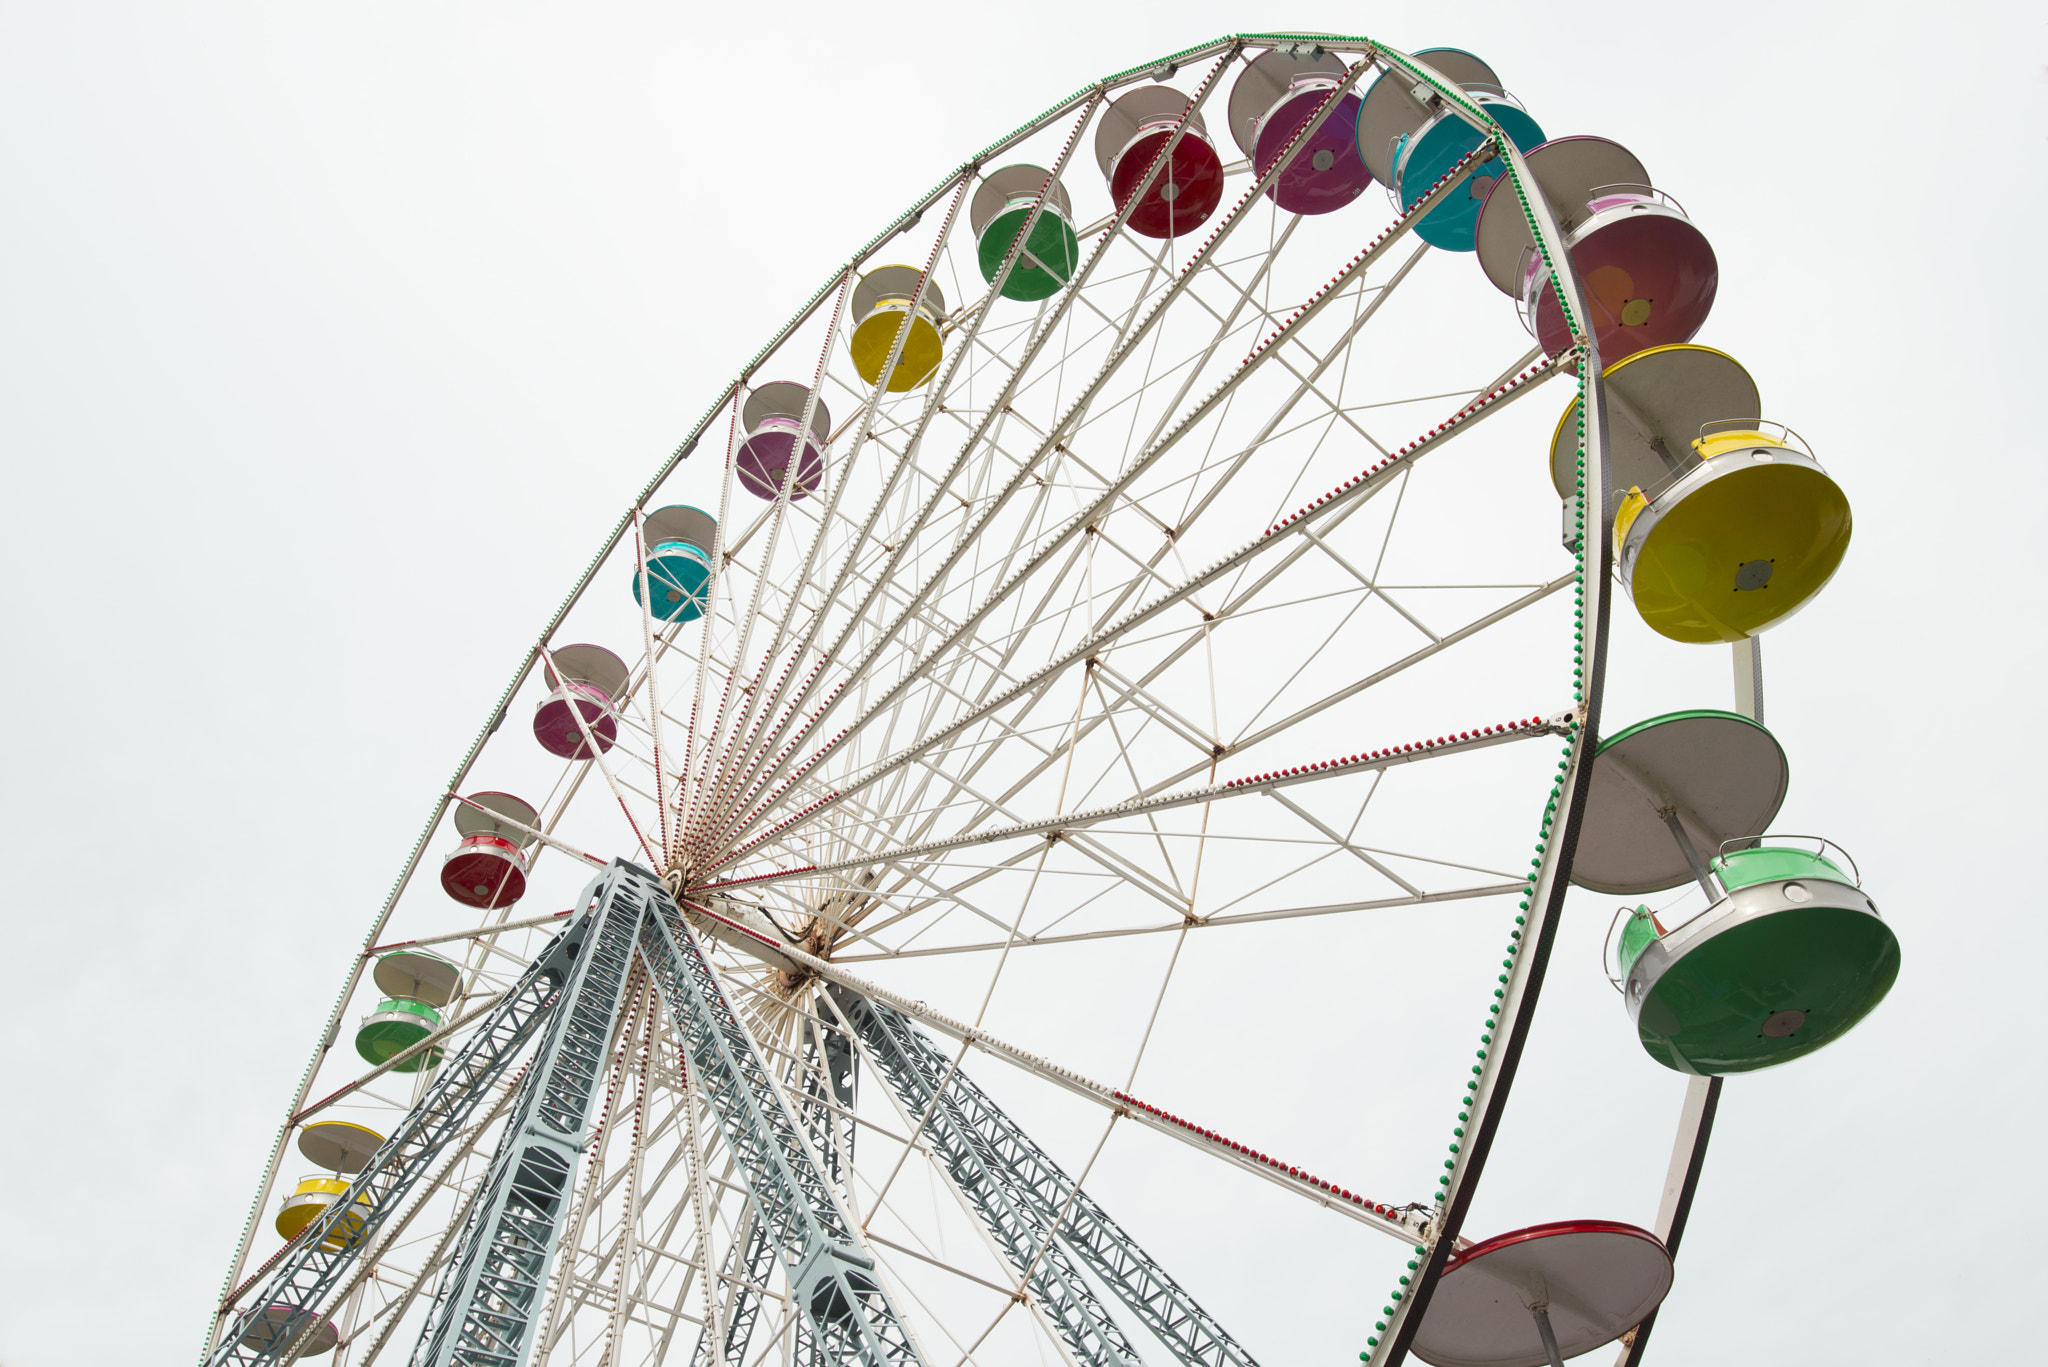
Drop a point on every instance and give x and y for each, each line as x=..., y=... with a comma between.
x=1593, y=1279
x=881, y=309
x=764, y=459
x=1423, y=156
x=678, y=581
x=1571, y=172
x=1328, y=173
x=278, y=1325
x=1397, y=103
x=339, y=1145
x=313, y=1198
x=1051, y=254
x=309, y=1270
x=587, y=678
x=1738, y=544
x=1776, y=970
x=1659, y=399
x=771, y=742
x=418, y=974
x=395, y=1026
x=484, y=871
x=848, y=1314
x=1134, y=129
x=1588, y=457
x=1720, y=775
x=1650, y=275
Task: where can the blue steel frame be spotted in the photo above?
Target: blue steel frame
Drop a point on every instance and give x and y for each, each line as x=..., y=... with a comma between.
x=484, y=1314
x=975, y=1139
x=485, y=1311
x=844, y=1311
x=313, y=1268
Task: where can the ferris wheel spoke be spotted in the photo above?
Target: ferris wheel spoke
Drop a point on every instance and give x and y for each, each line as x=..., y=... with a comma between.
x=1123, y=351
x=697, y=748
x=1091, y=645
x=1154, y=834
x=1121, y=1104
x=779, y=509
x=481, y=1006
x=940, y=486
x=1318, y=772
x=492, y=930
x=1072, y=527
x=1243, y=455
x=1176, y=925
x=1309, y=711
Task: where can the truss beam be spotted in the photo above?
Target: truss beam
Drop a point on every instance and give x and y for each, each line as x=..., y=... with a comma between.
x=848, y=1316
x=486, y=1313
x=303, y=1279
x=1021, y=1229
x=1045, y=1210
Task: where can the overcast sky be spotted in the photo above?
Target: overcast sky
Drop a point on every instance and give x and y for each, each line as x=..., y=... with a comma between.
x=333, y=340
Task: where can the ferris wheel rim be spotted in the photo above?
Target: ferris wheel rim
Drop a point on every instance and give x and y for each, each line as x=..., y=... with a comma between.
x=1581, y=726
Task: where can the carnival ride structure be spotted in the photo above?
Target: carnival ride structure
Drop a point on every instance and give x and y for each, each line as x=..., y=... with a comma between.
x=1153, y=503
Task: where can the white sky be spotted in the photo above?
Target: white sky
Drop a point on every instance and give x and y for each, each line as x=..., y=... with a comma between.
x=331, y=343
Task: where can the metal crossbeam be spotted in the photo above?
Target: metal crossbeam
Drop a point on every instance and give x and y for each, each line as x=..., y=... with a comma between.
x=843, y=1306
x=1021, y=1228
x=1031, y=1181
x=484, y=1315
x=307, y=1275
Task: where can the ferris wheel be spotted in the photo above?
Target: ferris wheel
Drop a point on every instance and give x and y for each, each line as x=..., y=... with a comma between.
x=1121, y=623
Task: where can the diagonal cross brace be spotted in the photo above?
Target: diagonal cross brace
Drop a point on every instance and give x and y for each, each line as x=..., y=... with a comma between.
x=847, y=1314
x=1033, y=1181
x=282, y=1310
x=486, y=1311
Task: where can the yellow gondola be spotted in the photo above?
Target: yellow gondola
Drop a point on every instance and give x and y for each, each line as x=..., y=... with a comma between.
x=881, y=303
x=1725, y=524
x=310, y=1200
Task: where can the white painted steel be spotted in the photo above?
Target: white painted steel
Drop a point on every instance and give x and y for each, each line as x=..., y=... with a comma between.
x=1210, y=524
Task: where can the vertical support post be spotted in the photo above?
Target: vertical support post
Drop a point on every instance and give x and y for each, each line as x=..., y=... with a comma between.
x=1547, y=1334
x=1702, y=1094
x=485, y=1314
x=1692, y=856
x=1749, y=678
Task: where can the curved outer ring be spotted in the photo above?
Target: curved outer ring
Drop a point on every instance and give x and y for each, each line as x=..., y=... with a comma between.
x=1552, y=875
